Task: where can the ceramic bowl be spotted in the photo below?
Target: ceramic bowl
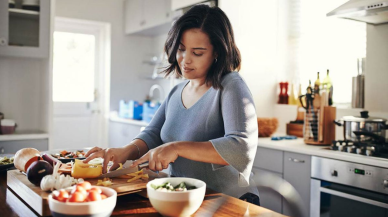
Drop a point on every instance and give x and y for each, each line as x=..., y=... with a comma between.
x=99, y=208
x=176, y=203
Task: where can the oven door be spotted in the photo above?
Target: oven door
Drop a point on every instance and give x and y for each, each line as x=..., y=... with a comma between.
x=335, y=200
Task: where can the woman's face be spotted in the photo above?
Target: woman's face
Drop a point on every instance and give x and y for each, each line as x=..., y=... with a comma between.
x=195, y=54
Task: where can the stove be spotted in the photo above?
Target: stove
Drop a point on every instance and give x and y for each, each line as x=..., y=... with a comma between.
x=375, y=148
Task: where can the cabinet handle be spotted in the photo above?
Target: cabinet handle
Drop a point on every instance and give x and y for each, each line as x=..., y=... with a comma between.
x=3, y=42
x=296, y=160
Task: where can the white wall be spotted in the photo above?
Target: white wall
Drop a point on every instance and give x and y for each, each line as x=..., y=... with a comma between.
x=255, y=28
x=128, y=73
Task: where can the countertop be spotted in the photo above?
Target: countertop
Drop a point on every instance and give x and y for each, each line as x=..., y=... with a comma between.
x=298, y=146
x=214, y=204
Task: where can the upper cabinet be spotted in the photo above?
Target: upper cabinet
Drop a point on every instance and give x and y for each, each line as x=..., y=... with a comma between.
x=148, y=17
x=25, y=32
x=178, y=4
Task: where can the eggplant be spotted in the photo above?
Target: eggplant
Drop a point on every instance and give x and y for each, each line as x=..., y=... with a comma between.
x=38, y=170
x=50, y=159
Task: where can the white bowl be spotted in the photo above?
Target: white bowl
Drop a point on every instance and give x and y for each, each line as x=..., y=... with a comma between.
x=177, y=203
x=95, y=208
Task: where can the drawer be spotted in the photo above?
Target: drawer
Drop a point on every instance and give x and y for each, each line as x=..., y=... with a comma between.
x=269, y=159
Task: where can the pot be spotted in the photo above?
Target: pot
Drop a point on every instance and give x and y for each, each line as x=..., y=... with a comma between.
x=363, y=123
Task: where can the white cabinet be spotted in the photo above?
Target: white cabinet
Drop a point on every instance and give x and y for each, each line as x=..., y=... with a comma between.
x=297, y=171
x=148, y=17
x=269, y=198
x=25, y=33
x=294, y=168
x=178, y=4
x=121, y=134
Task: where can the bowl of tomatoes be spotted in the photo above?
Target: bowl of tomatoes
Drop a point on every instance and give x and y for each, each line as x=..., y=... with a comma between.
x=82, y=199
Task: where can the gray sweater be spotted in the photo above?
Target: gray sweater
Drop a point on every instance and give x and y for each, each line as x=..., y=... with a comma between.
x=227, y=118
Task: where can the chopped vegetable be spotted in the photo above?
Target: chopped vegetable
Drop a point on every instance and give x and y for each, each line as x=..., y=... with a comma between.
x=82, y=170
x=6, y=160
x=168, y=187
x=105, y=182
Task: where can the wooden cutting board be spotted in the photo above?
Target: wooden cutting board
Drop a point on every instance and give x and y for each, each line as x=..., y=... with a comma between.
x=36, y=199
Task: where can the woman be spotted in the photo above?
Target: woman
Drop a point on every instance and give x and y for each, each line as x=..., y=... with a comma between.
x=207, y=126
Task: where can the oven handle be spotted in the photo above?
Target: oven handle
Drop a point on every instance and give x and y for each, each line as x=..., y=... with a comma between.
x=353, y=197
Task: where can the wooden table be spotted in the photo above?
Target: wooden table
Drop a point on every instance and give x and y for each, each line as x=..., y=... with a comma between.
x=215, y=204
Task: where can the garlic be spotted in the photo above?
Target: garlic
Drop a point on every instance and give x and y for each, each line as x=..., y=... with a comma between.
x=47, y=183
x=58, y=181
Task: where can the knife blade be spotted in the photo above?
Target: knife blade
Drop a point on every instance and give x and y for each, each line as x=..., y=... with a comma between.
x=124, y=171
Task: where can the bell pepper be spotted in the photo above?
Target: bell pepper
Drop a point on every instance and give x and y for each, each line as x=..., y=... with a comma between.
x=85, y=171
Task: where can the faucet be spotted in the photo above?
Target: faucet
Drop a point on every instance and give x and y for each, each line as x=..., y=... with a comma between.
x=156, y=87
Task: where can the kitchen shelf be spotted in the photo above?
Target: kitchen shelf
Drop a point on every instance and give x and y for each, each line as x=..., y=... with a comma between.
x=24, y=136
x=23, y=13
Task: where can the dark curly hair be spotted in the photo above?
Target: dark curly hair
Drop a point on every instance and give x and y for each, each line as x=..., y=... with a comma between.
x=214, y=22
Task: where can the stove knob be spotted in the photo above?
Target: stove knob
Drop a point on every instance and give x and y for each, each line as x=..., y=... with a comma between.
x=385, y=183
x=335, y=173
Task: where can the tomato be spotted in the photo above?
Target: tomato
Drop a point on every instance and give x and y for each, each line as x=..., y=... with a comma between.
x=61, y=195
x=93, y=196
x=103, y=196
x=79, y=189
x=94, y=188
x=76, y=197
x=85, y=185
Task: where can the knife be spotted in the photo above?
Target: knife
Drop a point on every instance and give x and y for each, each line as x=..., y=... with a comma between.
x=124, y=171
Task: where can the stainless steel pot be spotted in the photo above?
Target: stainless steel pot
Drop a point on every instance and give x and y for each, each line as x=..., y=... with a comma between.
x=373, y=127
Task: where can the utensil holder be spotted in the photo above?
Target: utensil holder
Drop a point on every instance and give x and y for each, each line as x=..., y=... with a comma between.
x=318, y=128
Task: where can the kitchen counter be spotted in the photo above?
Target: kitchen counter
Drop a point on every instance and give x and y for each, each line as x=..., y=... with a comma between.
x=215, y=204
x=298, y=146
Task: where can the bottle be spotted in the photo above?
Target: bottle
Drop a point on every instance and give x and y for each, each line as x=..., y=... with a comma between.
x=317, y=84
x=292, y=100
x=309, y=89
x=329, y=88
x=300, y=94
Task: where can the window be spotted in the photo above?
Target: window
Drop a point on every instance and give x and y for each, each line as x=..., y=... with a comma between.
x=74, y=67
x=314, y=43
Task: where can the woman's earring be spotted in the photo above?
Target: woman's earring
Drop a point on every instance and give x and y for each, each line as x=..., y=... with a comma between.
x=216, y=59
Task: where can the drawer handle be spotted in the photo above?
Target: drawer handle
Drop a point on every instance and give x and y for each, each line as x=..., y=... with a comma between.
x=296, y=160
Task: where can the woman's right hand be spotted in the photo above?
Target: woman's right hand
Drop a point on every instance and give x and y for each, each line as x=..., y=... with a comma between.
x=116, y=155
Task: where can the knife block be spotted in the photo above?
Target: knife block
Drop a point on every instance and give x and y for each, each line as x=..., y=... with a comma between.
x=319, y=128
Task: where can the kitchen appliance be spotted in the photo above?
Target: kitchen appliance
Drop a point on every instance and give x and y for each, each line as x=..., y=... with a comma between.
x=369, y=11
x=11, y=3
x=32, y=5
x=363, y=123
x=340, y=188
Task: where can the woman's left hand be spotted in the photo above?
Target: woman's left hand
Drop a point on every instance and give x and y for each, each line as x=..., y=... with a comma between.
x=159, y=158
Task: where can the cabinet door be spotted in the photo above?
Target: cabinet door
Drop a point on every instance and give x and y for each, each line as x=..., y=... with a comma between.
x=134, y=15
x=27, y=33
x=121, y=134
x=157, y=12
x=269, y=159
x=177, y=4
x=3, y=23
x=11, y=147
x=269, y=198
x=297, y=171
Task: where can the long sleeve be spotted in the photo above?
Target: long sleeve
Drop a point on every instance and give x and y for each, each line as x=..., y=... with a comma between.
x=238, y=146
x=151, y=134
